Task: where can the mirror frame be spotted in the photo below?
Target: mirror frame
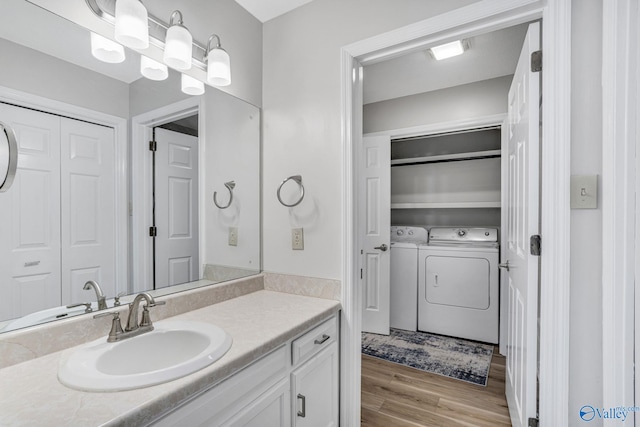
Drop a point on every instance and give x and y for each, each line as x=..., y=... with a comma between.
x=12, y=166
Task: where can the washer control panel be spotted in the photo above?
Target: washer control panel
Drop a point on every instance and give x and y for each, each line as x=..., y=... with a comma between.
x=406, y=234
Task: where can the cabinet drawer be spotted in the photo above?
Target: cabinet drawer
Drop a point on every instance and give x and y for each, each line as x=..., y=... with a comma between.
x=313, y=341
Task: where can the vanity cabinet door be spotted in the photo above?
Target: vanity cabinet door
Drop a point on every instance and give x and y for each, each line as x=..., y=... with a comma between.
x=314, y=393
x=271, y=409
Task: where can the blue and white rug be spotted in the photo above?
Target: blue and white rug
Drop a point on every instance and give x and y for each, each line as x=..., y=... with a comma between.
x=451, y=357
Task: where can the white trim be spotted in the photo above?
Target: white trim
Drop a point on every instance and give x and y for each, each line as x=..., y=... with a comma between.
x=482, y=16
x=119, y=126
x=450, y=126
x=141, y=131
x=619, y=138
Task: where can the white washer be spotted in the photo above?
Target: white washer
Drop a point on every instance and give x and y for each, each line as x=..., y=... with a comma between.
x=404, y=276
x=458, y=285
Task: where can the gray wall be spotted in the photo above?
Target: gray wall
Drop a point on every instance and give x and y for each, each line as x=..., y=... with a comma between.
x=43, y=75
x=460, y=102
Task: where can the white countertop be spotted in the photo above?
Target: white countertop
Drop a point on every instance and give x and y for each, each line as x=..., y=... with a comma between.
x=30, y=393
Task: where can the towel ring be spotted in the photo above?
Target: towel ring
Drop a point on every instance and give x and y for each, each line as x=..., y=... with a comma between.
x=298, y=179
x=230, y=186
x=12, y=158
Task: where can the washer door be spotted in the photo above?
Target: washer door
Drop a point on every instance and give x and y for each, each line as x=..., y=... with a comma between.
x=457, y=281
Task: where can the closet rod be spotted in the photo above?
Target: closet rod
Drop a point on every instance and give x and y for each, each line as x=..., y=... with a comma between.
x=436, y=135
x=407, y=162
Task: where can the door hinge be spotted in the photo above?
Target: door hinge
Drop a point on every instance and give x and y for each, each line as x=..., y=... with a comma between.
x=536, y=61
x=533, y=422
x=153, y=146
x=535, y=244
x=360, y=274
x=153, y=231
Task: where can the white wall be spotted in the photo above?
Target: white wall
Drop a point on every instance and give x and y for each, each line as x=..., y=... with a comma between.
x=302, y=129
x=33, y=72
x=477, y=99
x=585, y=380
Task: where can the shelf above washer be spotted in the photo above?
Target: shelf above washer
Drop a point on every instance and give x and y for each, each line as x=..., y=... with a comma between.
x=447, y=158
x=445, y=205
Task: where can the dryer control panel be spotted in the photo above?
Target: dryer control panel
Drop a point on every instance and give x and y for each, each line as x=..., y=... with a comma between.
x=463, y=234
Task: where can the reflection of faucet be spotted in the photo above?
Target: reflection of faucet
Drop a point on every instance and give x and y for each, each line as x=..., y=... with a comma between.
x=102, y=303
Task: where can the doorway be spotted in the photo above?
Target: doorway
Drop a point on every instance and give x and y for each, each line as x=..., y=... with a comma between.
x=470, y=20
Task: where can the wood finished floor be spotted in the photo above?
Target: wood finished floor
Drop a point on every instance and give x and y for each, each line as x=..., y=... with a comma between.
x=396, y=395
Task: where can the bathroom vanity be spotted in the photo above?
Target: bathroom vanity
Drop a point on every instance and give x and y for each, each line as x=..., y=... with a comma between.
x=281, y=370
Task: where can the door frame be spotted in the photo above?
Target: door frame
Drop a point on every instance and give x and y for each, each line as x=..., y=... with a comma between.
x=141, y=133
x=119, y=125
x=480, y=17
x=620, y=234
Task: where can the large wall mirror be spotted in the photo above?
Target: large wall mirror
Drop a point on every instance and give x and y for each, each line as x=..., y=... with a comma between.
x=92, y=199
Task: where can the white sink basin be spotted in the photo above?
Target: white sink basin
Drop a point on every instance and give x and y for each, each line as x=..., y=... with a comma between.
x=44, y=316
x=172, y=350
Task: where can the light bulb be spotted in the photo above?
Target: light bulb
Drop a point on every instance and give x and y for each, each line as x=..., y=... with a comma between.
x=153, y=70
x=132, y=24
x=106, y=50
x=192, y=86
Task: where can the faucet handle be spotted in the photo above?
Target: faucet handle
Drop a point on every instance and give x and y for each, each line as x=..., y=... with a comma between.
x=87, y=305
x=116, y=327
x=116, y=299
x=156, y=303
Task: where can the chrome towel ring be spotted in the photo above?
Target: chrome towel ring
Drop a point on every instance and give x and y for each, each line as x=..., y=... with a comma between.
x=8, y=158
x=230, y=186
x=298, y=179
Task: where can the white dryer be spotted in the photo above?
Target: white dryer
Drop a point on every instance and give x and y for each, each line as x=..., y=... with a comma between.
x=458, y=283
x=404, y=276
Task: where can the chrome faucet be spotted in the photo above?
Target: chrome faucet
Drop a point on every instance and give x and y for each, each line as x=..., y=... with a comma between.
x=102, y=301
x=133, y=327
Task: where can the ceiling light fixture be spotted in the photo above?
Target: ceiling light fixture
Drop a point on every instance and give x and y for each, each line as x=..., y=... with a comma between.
x=152, y=69
x=132, y=26
x=177, y=48
x=448, y=50
x=191, y=86
x=218, y=64
x=106, y=50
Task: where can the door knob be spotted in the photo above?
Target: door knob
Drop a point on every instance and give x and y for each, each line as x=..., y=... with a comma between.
x=382, y=247
x=504, y=265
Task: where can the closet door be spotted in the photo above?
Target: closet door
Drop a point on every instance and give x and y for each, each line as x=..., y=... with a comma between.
x=30, y=217
x=88, y=209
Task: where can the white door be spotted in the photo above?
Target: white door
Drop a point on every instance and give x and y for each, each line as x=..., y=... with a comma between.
x=30, y=217
x=375, y=201
x=88, y=209
x=522, y=223
x=176, y=208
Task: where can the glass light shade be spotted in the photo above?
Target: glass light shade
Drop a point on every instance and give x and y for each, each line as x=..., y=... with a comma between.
x=177, y=48
x=218, y=67
x=106, y=50
x=132, y=26
x=448, y=50
x=153, y=70
x=192, y=86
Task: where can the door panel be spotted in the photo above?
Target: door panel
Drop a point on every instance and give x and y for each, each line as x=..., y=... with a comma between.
x=375, y=199
x=88, y=209
x=30, y=217
x=176, y=208
x=522, y=222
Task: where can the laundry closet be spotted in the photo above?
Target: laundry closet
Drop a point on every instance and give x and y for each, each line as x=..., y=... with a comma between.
x=446, y=175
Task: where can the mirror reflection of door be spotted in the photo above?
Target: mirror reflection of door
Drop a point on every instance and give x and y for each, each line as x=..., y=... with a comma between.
x=175, y=211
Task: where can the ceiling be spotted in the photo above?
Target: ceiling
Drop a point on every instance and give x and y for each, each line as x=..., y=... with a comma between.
x=265, y=10
x=489, y=56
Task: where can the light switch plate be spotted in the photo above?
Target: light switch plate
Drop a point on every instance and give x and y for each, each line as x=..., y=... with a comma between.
x=584, y=191
x=233, y=236
x=297, y=239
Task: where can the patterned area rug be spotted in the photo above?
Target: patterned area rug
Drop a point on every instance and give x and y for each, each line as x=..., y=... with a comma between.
x=452, y=357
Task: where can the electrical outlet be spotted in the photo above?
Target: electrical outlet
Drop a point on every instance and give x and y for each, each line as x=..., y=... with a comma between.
x=233, y=236
x=297, y=239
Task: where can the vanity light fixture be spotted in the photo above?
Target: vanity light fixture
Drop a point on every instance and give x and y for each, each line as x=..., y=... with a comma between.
x=152, y=69
x=132, y=26
x=106, y=50
x=191, y=86
x=177, y=48
x=448, y=50
x=218, y=64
